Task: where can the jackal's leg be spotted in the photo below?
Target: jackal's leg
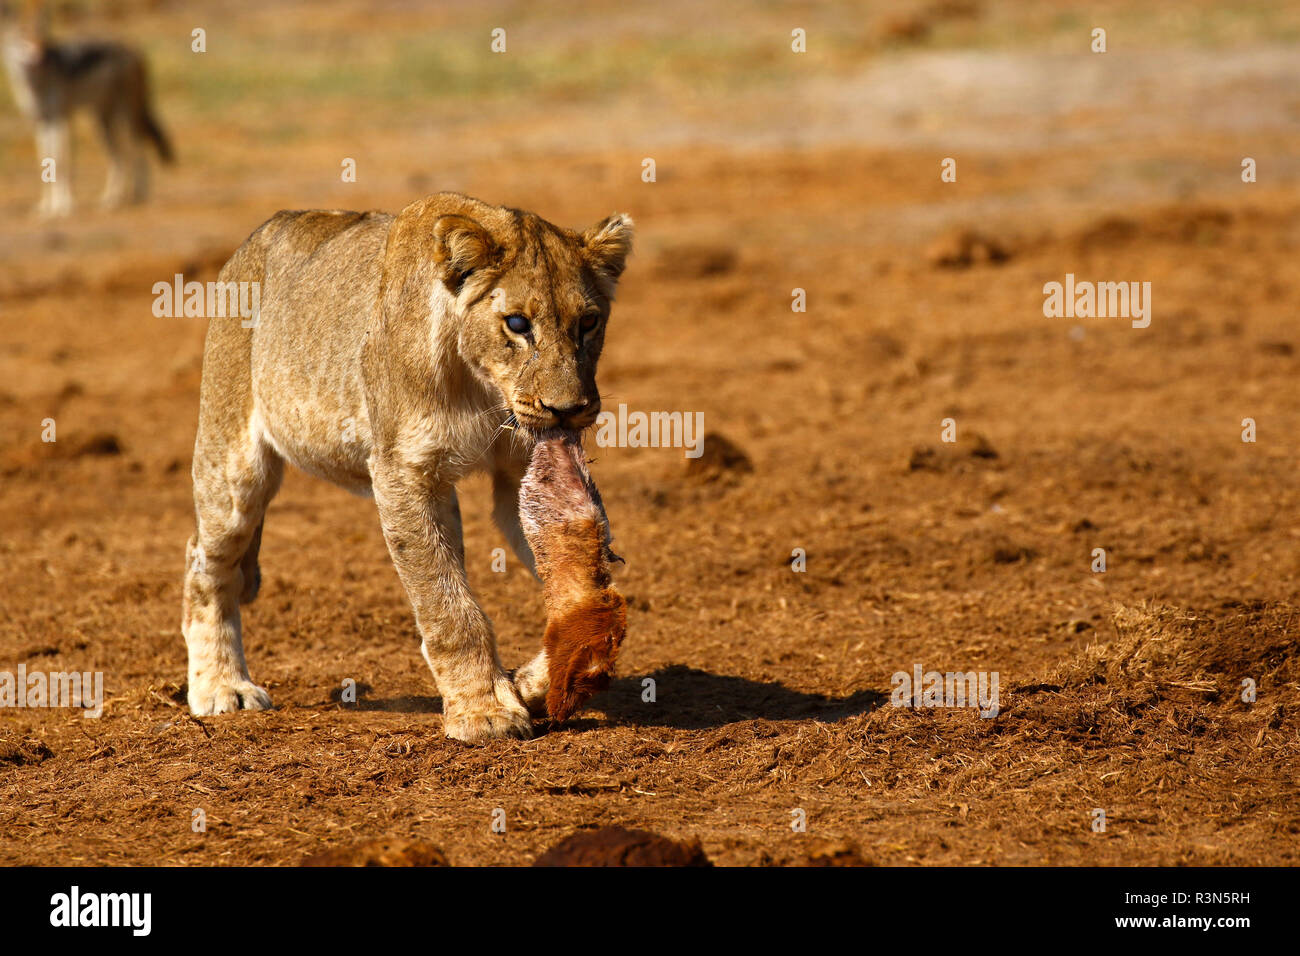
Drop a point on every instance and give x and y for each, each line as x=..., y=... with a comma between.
x=140, y=171
x=116, y=137
x=46, y=202
x=52, y=144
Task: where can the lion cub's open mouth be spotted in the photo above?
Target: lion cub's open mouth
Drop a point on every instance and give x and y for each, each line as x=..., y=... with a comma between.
x=566, y=526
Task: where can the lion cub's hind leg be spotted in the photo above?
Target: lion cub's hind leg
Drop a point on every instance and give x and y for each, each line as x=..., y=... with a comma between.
x=235, y=476
x=249, y=569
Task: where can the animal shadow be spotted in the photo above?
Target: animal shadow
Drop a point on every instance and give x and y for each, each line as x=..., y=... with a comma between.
x=691, y=699
x=686, y=698
x=404, y=704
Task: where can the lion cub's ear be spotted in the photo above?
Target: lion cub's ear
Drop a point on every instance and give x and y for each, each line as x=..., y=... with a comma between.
x=460, y=247
x=607, y=244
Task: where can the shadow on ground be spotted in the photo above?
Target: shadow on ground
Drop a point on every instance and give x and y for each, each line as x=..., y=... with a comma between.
x=403, y=704
x=685, y=698
x=691, y=699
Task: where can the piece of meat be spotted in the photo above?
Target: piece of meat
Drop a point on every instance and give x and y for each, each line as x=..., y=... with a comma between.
x=565, y=524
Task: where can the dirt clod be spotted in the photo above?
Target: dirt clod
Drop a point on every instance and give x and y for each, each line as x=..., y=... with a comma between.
x=827, y=853
x=964, y=248
x=721, y=461
x=21, y=751
x=615, y=846
x=383, y=852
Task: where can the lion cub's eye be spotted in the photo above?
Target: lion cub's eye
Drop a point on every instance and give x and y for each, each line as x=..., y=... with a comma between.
x=518, y=324
x=589, y=322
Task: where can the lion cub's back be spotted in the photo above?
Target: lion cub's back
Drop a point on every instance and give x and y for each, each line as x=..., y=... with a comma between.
x=320, y=290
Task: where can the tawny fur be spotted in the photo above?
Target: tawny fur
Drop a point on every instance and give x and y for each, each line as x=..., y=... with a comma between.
x=381, y=361
x=586, y=617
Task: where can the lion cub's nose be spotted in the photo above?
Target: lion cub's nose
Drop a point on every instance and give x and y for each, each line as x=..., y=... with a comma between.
x=565, y=412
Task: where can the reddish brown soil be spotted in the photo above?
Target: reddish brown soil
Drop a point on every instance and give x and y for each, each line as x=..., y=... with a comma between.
x=1120, y=691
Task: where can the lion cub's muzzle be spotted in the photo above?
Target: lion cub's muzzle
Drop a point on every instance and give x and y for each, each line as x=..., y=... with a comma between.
x=539, y=415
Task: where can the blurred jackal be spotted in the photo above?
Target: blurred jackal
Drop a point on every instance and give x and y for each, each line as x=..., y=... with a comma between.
x=52, y=80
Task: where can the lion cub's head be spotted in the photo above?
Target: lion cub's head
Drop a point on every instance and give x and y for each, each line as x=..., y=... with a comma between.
x=531, y=299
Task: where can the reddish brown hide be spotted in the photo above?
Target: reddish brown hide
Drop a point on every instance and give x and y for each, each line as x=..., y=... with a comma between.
x=586, y=617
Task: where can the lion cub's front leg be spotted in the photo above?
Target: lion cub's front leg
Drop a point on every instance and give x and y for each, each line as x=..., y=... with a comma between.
x=422, y=527
x=532, y=679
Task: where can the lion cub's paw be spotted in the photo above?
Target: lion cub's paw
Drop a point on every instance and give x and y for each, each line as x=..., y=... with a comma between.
x=226, y=696
x=477, y=720
x=532, y=681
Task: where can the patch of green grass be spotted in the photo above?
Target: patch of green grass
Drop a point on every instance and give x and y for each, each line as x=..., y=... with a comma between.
x=576, y=51
x=402, y=71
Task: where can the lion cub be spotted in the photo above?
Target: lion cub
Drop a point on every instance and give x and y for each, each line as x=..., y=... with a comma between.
x=388, y=353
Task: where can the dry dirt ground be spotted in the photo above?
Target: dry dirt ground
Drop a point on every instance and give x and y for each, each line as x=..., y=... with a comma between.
x=1121, y=691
